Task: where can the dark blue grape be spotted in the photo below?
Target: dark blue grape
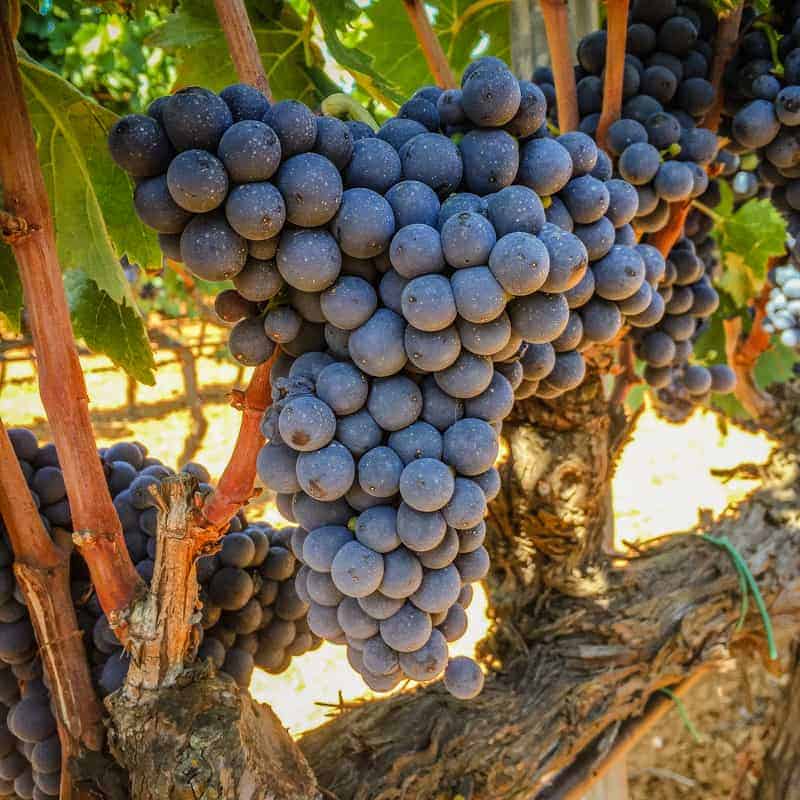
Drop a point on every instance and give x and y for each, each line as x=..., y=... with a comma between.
x=295, y=126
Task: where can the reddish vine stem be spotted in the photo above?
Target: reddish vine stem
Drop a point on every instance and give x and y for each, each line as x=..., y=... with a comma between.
x=615, y=67
x=61, y=382
x=235, y=487
x=42, y=571
x=556, y=24
x=725, y=47
x=626, y=378
x=242, y=44
x=430, y=45
x=665, y=239
x=743, y=354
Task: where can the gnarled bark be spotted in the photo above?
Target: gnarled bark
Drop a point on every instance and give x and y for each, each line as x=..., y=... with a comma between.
x=203, y=737
x=551, y=514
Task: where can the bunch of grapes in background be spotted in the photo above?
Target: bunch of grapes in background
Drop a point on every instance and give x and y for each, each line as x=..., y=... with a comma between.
x=251, y=614
x=659, y=144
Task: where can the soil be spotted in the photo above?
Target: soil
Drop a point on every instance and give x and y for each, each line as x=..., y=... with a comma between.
x=731, y=712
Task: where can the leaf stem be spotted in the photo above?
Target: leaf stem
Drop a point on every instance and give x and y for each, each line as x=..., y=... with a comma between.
x=684, y=715
x=430, y=45
x=615, y=67
x=709, y=212
x=242, y=44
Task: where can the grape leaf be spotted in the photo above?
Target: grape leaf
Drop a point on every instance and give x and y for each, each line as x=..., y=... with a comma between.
x=338, y=19
x=114, y=329
x=90, y=197
x=775, y=365
x=465, y=29
x=10, y=289
x=192, y=33
x=748, y=238
x=710, y=345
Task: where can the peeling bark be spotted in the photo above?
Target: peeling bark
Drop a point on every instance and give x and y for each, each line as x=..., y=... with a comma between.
x=550, y=516
x=181, y=731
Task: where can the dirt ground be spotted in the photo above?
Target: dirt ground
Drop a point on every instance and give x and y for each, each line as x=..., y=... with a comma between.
x=663, y=481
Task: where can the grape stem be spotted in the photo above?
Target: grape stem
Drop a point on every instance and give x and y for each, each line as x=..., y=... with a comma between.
x=430, y=45
x=556, y=25
x=41, y=568
x=61, y=382
x=615, y=67
x=235, y=487
x=242, y=44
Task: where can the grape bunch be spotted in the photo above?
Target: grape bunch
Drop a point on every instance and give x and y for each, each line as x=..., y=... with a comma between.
x=658, y=145
x=251, y=615
x=416, y=280
x=388, y=481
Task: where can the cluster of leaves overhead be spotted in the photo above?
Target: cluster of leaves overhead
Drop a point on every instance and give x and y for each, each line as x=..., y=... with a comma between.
x=370, y=46
x=390, y=67
x=102, y=53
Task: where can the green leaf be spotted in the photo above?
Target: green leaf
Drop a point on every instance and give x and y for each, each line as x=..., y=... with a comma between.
x=465, y=29
x=775, y=365
x=710, y=345
x=748, y=238
x=337, y=18
x=10, y=289
x=90, y=197
x=725, y=206
x=115, y=329
x=192, y=33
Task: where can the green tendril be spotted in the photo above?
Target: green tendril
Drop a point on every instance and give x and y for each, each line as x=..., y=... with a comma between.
x=746, y=580
x=684, y=715
x=342, y=105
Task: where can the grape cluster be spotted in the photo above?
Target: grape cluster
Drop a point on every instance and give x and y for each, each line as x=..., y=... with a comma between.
x=417, y=280
x=252, y=615
x=250, y=612
x=763, y=109
x=658, y=144
x=783, y=307
x=388, y=481
x=688, y=301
